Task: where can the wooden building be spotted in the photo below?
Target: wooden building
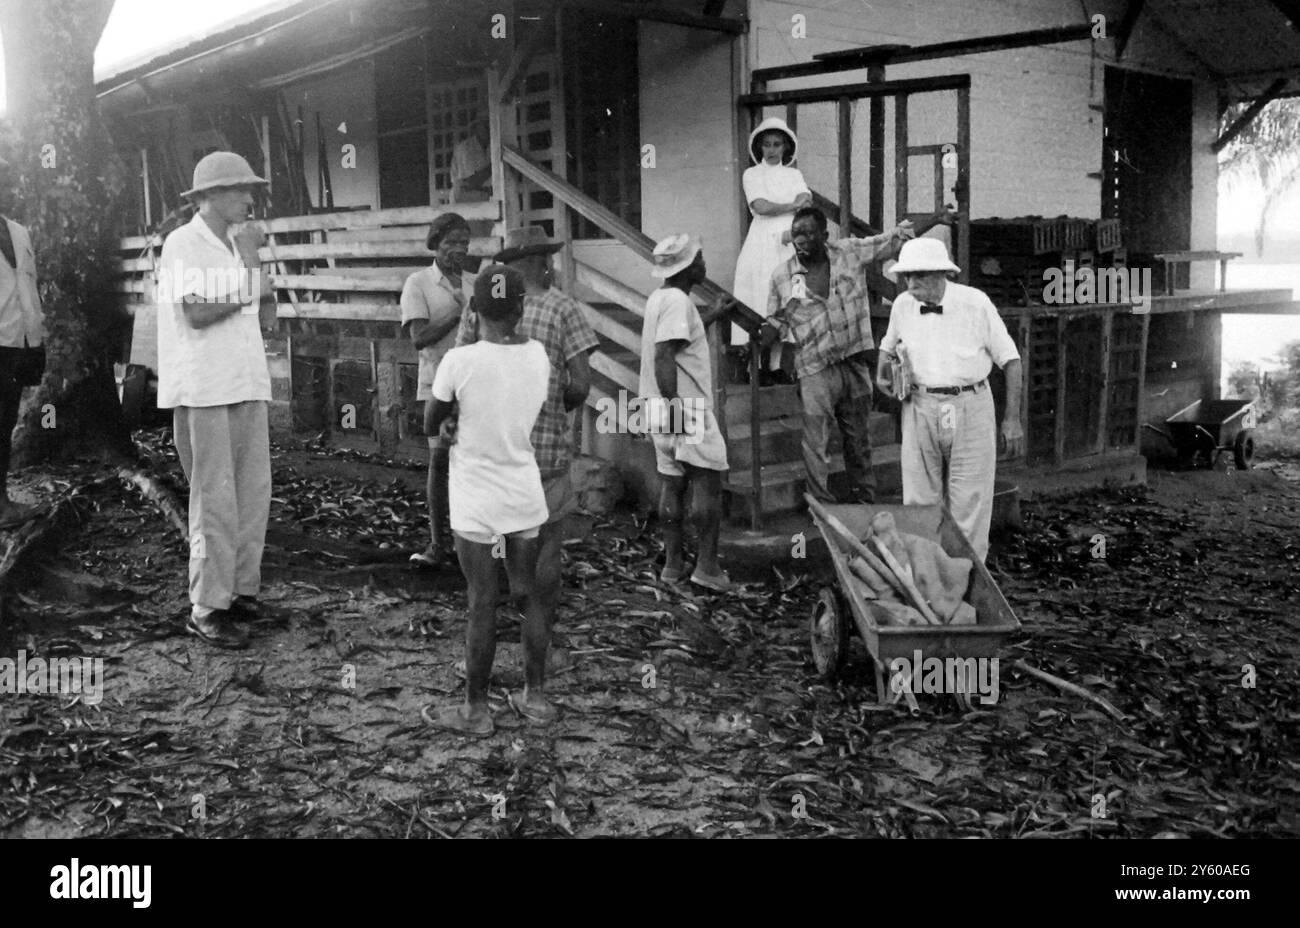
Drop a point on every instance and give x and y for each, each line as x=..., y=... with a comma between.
x=613, y=123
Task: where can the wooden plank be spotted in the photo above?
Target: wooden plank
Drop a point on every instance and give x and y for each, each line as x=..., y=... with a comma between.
x=900, y=158
x=1212, y=357
x=661, y=14
x=339, y=283
x=478, y=247
x=610, y=289
x=876, y=152
x=626, y=378
x=1058, y=444
x=1107, y=334
x=963, y=184
x=487, y=210
x=603, y=325
x=358, y=312
x=858, y=58
x=1139, y=416
x=138, y=243
x=844, y=133
x=855, y=91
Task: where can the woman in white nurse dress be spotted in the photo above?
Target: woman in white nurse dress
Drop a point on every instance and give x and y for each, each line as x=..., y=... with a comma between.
x=773, y=190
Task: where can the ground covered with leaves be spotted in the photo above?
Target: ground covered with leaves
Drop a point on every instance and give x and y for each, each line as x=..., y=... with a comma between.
x=687, y=714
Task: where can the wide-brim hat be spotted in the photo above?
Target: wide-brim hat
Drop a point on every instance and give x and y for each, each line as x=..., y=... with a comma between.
x=924, y=255
x=772, y=124
x=674, y=254
x=526, y=241
x=223, y=169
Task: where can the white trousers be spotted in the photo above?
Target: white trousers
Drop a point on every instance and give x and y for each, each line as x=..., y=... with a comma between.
x=226, y=454
x=949, y=454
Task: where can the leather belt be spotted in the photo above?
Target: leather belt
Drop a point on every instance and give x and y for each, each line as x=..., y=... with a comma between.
x=954, y=391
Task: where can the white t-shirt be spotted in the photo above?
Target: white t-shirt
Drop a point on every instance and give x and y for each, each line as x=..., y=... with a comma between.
x=670, y=315
x=225, y=362
x=496, y=487
x=955, y=348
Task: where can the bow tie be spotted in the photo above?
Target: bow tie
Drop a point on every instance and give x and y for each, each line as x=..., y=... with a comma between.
x=931, y=308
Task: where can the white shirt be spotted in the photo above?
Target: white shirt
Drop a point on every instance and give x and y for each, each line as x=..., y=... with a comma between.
x=429, y=295
x=669, y=316
x=955, y=348
x=20, y=303
x=225, y=362
x=496, y=487
x=467, y=159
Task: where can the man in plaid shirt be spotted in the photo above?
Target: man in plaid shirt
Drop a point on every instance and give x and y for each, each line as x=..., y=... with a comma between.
x=557, y=321
x=818, y=301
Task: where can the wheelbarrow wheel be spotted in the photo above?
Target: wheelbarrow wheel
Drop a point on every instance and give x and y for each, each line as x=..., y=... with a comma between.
x=828, y=629
x=1243, y=449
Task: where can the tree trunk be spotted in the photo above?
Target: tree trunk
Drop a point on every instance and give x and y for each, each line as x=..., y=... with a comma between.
x=64, y=185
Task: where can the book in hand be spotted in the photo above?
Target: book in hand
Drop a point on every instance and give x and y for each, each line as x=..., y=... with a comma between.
x=901, y=373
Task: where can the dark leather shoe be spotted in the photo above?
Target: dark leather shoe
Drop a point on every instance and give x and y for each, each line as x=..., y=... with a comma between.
x=245, y=609
x=218, y=629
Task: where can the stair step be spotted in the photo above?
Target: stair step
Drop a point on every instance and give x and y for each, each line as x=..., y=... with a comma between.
x=782, y=439
x=783, y=484
x=773, y=402
x=624, y=317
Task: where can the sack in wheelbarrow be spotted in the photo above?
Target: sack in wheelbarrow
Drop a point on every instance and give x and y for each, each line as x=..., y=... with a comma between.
x=941, y=579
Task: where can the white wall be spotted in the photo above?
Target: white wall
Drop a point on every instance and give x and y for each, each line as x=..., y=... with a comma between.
x=1035, y=134
x=343, y=96
x=687, y=102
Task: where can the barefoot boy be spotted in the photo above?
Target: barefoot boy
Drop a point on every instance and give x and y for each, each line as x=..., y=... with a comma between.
x=497, y=501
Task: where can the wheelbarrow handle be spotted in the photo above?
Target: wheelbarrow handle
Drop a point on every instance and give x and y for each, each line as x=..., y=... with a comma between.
x=1158, y=430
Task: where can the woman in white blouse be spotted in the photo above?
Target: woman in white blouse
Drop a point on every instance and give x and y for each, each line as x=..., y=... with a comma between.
x=773, y=190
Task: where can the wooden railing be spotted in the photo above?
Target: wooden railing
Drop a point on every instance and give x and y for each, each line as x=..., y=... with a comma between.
x=643, y=246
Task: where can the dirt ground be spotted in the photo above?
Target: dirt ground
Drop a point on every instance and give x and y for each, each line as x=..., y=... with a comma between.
x=688, y=714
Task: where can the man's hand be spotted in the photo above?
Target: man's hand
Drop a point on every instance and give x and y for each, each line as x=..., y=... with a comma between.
x=903, y=230
x=266, y=311
x=1013, y=439
x=722, y=305
x=885, y=379
x=248, y=238
x=448, y=430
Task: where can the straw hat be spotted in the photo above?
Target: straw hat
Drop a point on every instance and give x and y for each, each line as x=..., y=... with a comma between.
x=674, y=254
x=222, y=169
x=922, y=255
x=772, y=124
x=525, y=241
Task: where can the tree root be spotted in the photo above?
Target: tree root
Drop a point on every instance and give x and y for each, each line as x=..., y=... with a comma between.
x=160, y=496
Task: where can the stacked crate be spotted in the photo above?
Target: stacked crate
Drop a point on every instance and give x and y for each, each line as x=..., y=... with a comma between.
x=1010, y=256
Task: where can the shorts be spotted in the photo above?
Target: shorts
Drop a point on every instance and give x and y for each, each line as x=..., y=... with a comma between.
x=703, y=446
x=484, y=538
x=560, y=498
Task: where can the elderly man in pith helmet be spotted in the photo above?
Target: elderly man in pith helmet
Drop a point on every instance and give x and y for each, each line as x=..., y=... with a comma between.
x=944, y=339
x=213, y=304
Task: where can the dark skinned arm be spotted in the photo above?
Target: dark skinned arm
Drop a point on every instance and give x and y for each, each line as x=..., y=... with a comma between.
x=579, y=385
x=425, y=333
x=435, y=414
x=666, y=367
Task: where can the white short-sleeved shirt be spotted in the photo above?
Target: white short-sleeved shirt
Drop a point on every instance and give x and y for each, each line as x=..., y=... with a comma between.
x=671, y=315
x=956, y=347
x=225, y=362
x=496, y=487
x=429, y=295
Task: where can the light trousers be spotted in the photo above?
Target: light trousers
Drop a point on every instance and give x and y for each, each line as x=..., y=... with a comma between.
x=949, y=454
x=226, y=454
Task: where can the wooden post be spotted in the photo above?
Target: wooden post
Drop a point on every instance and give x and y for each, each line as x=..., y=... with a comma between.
x=845, y=133
x=900, y=158
x=963, y=183
x=1107, y=334
x=1058, y=444
x=559, y=119
x=497, y=129
x=1212, y=352
x=876, y=152
x=792, y=117
x=755, y=435
x=144, y=177
x=266, y=155
x=1142, y=381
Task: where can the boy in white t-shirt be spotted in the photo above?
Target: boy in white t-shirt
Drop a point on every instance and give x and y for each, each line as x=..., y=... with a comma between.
x=497, y=501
